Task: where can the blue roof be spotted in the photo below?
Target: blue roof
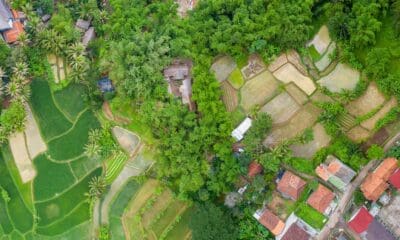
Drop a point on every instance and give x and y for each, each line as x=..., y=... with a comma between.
x=105, y=85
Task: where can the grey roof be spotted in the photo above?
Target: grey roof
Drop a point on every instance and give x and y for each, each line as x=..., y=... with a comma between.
x=345, y=174
x=89, y=35
x=176, y=72
x=82, y=24
x=377, y=231
x=5, y=16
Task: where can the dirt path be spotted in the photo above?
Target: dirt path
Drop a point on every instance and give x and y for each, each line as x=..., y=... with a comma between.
x=343, y=202
x=110, y=116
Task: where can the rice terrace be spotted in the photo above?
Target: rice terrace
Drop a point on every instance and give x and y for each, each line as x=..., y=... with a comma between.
x=199, y=120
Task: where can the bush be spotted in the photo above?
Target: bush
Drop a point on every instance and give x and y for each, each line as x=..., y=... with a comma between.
x=359, y=198
x=375, y=152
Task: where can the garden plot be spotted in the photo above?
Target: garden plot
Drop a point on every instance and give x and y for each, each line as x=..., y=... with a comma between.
x=358, y=134
x=304, y=119
x=295, y=59
x=288, y=73
x=321, y=97
x=371, y=122
x=255, y=66
x=321, y=40
x=369, y=101
x=281, y=108
x=126, y=139
x=34, y=140
x=223, y=67
x=278, y=62
x=280, y=206
x=341, y=78
x=236, y=79
x=20, y=153
x=258, y=90
x=299, y=96
x=153, y=213
x=58, y=67
x=229, y=96
x=321, y=139
x=324, y=62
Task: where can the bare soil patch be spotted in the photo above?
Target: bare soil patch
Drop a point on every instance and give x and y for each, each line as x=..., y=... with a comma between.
x=319, y=96
x=305, y=118
x=321, y=40
x=299, y=96
x=258, y=90
x=255, y=66
x=21, y=157
x=370, y=123
x=370, y=100
x=281, y=108
x=229, y=96
x=288, y=73
x=341, y=78
x=280, y=206
x=321, y=139
x=34, y=140
x=358, y=134
x=223, y=67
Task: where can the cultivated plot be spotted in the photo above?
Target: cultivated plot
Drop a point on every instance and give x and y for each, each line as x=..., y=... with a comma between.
x=369, y=101
x=258, y=90
x=288, y=73
x=229, y=96
x=281, y=108
x=223, y=67
x=341, y=78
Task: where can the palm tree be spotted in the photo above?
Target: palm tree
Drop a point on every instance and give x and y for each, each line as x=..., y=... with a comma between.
x=23, y=39
x=75, y=50
x=14, y=89
x=20, y=70
x=97, y=185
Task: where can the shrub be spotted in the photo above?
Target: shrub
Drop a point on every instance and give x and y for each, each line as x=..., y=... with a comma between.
x=375, y=152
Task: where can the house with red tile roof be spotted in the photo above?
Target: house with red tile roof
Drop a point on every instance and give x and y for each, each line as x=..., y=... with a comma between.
x=395, y=179
x=369, y=228
x=11, y=35
x=270, y=221
x=254, y=169
x=376, y=182
x=296, y=232
x=322, y=200
x=361, y=220
x=335, y=172
x=291, y=186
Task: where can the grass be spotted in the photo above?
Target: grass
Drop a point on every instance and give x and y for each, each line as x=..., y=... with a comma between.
x=310, y=216
x=19, y=214
x=79, y=215
x=70, y=100
x=314, y=53
x=236, y=79
x=5, y=220
x=83, y=231
x=72, y=144
x=51, y=120
x=52, y=178
x=61, y=206
x=114, y=166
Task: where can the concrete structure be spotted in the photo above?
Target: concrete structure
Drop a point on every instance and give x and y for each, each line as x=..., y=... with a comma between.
x=244, y=126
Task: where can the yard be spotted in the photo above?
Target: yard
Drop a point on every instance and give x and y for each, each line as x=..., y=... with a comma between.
x=311, y=216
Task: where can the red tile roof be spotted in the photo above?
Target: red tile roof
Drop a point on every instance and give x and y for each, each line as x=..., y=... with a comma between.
x=361, y=220
x=321, y=198
x=395, y=178
x=12, y=34
x=373, y=187
x=295, y=232
x=254, y=169
x=386, y=168
x=271, y=222
x=291, y=185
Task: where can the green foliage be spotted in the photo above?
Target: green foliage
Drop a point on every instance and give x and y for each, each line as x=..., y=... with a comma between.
x=104, y=233
x=63, y=23
x=375, y=152
x=207, y=221
x=390, y=117
x=377, y=62
x=330, y=117
x=12, y=120
x=255, y=136
x=359, y=198
x=249, y=228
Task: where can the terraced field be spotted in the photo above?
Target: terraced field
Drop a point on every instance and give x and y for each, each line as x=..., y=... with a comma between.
x=57, y=194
